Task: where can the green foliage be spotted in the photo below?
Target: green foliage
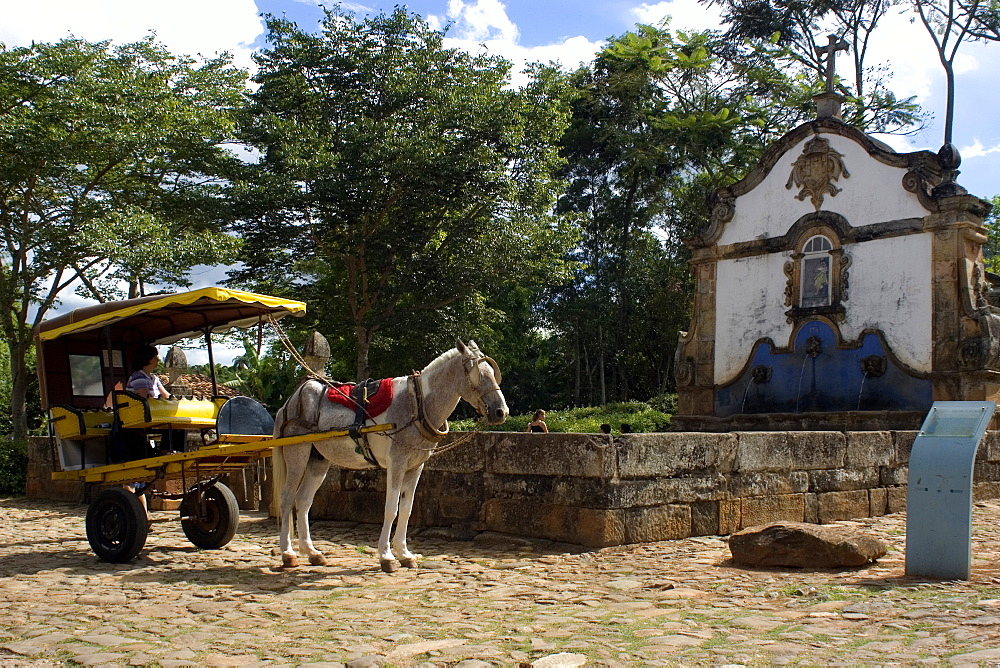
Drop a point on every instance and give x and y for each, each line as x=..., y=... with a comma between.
x=642, y=416
x=270, y=379
x=13, y=467
x=789, y=32
x=991, y=251
x=109, y=152
x=401, y=183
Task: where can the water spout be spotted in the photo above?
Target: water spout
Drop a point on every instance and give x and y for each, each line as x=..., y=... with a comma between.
x=862, y=389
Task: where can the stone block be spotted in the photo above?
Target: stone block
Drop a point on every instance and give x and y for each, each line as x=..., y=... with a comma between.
x=467, y=457
x=903, y=443
x=581, y=455
x=981, y=491
x=989, y=448
x=896, y=499
x=782, y=451
x=893, y=475
x=985, y=471
x=835, y=506
x=868, y=449
x=811, y=513
x=648, y=525
x=583, y=526
x=878, y=501
x=673, y=453
x=765, y=509
x=729, y=516
x=365, y=480
x=705, y=518
x=837, y=480
x=456, y=510
x=767, y=483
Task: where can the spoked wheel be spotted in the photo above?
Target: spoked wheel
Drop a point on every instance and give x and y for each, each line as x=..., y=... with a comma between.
x=116, y=525
x=210, y=515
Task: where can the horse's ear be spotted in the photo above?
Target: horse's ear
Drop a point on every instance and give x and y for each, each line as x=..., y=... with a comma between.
x=461, y=347
x=473, y=345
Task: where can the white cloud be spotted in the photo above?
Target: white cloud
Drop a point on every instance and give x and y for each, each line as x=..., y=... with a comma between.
x=977, y=150
x=484, y=24
x=187, y=27
x=684, y=15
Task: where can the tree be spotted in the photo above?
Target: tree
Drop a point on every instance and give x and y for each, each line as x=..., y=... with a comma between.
x=793, y=26
x=949, y=23
x=399, y=181
x=108, y=152
x=660, y=121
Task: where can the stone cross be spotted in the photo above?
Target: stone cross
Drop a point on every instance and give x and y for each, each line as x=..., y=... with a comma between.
x=830, y=50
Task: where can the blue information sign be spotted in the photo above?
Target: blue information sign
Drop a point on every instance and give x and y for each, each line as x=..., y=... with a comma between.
x=939, y=489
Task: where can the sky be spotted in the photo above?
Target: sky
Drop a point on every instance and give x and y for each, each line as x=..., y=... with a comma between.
x=565, y=31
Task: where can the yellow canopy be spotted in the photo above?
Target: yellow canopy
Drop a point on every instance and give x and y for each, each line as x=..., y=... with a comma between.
x=164, y=319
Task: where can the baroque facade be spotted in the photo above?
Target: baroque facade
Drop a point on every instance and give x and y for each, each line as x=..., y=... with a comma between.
x=840, y=285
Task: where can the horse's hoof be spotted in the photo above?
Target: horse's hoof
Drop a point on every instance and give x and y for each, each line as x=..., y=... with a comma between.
x=317, y=559
x=389, y=565
x=289, y=561
x=408, y=562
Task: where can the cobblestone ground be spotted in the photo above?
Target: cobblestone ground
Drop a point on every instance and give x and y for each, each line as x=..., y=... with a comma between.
x=490, y=601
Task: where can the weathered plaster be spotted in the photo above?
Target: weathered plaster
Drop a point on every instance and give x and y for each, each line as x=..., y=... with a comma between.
x=750, y=305
x=891, y=290
x=871, y=194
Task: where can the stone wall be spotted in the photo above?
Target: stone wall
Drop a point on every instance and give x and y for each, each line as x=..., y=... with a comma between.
x=598, y=490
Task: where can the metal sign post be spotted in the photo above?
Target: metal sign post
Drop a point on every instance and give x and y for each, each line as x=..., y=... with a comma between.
x=939, y=489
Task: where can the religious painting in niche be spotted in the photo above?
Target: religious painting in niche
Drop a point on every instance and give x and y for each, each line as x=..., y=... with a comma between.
x=816, y=270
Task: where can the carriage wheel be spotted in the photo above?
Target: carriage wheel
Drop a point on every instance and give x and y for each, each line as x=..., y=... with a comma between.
x=116, y=525
x=211, y=524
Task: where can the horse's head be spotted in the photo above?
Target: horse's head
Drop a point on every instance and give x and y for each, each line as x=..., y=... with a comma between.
x=483, y=389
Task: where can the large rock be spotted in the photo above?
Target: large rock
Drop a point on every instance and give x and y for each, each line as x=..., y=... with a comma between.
x=804, y=546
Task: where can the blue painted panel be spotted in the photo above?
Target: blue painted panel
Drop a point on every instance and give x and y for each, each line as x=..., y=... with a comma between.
x=817, y=376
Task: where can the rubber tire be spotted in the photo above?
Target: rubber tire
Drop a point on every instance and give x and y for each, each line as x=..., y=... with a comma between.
x=223, y=517
x=116, y=525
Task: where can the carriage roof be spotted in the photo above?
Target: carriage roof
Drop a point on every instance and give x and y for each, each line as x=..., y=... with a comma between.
x=167, y=318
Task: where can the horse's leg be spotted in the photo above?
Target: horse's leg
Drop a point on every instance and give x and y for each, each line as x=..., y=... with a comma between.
x=314, y=476
x=393, y=485
x=296, y=458
x=410, y=479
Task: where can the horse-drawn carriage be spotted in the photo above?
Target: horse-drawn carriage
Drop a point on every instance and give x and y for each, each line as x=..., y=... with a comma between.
x=82, y=370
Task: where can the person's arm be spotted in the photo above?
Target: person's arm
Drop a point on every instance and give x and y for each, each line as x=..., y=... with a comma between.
x=545, y=427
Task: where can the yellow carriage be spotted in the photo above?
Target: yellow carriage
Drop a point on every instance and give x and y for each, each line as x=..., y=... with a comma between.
x=82, y=373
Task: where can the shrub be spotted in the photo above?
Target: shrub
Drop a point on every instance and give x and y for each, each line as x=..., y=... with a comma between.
x=587, y=420
x=13, y=467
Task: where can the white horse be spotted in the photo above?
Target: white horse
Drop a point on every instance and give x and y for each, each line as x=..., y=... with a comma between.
x=419, y=410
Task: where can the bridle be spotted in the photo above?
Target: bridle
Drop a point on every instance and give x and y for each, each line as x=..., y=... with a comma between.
x=473, y=374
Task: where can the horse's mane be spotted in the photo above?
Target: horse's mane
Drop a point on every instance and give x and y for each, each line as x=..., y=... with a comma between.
x=440, y=360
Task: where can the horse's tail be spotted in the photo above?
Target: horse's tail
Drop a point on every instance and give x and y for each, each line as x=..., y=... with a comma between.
x=278, y=477
x=278, y=471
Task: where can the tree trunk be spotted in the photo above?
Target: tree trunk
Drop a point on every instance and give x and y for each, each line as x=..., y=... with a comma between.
x=364, y=336
x=19, y=389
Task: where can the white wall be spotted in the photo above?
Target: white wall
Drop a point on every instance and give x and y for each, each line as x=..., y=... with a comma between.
x=873, y=193
x=749, y=305
x=890, y=289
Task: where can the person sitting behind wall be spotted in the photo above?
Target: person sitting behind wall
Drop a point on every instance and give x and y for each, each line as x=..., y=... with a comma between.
x=605, y=428
x=537, y=424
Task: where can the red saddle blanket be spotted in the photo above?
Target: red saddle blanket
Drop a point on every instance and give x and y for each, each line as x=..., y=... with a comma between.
x=378, y=401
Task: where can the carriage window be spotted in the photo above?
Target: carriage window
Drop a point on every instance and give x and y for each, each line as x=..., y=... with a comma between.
x=85, y=374
x=815, y=286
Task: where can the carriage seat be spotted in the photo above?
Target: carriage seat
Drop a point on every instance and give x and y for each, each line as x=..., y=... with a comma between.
x=73, y=424
x=137, y=412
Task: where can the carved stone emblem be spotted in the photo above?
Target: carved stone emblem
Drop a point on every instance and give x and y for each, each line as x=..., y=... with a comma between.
x=815, y=171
